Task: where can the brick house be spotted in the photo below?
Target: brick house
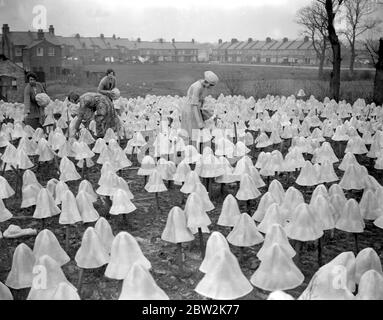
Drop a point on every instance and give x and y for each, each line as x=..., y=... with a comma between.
x=12, y=80
x=185, y=51
x=34, y=51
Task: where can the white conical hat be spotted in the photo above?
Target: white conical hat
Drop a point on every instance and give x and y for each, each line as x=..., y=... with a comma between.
x=191, y=180
x=69, y=210
x=230, y=212
x=87, y=187
x=245, y=233
x=21, y=275
x=65, y=292
x=5, y=189
x=247, y=189
x=183, y=169
x=68, y=170
x=4, y=212
x=30, y=178
x=44, y=152
x=47, y=244
x=85, y=206
x=196, y=216
x=5, y=293
x=279, y=295
x=52, y=276
x=125, y=252
x=266, y=201
x=226, y=281
x=45, y=205
x=140, y=285
x=29, y=195
x=274, y=214
x=124, y=185
x=352, y=179
x=308, y=176
x=366, y=260
x=200, y=189
x=61, y=188
x=325, y=212
x=121, y=203
x=370, y=286
x=99, y=145
x=276, y=234
x=304, y=225
x=369, y=206
x=292, y=199
x=155, y=183
x=277, y=271
x=105, y=233
x=176, y=230
x=328, y=283
x=92, y=254
x=350, y=219
x=214, y=244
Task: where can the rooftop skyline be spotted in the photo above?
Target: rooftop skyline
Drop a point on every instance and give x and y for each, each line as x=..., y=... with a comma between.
x=185, y=19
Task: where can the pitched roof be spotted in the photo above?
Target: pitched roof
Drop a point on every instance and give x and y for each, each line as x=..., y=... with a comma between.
x=37, y=42
x=250, y=44
x=25, y=38
x=268, y=45
x=155, y=45
x=258, y=45
x=186, y=45
x=224, y=45
x=70, y=41
x=285, y=45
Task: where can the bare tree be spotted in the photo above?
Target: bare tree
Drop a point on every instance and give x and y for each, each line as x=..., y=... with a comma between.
x=233, y=82
x=332, y=7
x=358, y=19
x=314, y=19
x=378, y=83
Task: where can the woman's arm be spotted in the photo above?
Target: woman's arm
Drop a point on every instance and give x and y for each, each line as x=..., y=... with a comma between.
x=197, y=115
x=80, y=116
x=101, y=88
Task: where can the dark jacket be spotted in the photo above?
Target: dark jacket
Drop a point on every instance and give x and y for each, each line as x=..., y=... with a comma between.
x=31, y=107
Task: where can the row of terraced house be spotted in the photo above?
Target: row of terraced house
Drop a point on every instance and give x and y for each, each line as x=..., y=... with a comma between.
x=284, y=51
x=51, y=54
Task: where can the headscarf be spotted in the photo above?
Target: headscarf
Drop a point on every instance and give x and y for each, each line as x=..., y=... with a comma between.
x=211, y=77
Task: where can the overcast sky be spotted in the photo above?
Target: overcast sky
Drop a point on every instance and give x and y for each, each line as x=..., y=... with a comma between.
x=203, y=20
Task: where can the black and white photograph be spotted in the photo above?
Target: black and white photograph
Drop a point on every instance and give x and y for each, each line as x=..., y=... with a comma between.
x=194, y=155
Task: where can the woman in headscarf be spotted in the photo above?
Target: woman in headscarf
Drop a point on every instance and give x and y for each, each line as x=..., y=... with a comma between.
x=191, y=114
x=33, y=112
x=95, y=106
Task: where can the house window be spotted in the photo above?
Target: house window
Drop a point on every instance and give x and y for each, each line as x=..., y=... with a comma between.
x=18, y=52
x=51, y=51
x=58, y=71
x=52, y=70
x=268, y=60
x=40, y=52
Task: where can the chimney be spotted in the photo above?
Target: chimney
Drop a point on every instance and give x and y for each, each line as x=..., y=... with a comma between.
x=138, y=40
x=219, y=41
x=234, y=41
x=114, y=37
x=285, y=40
x=250, y=40
x=5, y=28
x=193, y=41
x=40, y=34
x=161, y=40
x=51, y=30
x=306, y=39
x=173, y=40
x=78, y=36
x=102, y=36
x=268, y=39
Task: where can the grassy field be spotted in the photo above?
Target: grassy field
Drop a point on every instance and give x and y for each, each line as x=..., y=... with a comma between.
x=258, y=81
